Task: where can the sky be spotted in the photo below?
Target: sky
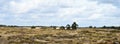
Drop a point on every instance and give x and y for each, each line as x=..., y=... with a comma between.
x=60, y=12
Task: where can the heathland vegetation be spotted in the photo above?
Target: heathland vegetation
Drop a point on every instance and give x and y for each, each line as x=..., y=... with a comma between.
x=69, y=34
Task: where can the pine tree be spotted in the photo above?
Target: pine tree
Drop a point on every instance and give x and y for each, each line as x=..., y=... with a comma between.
x=104, y=26
x=90, y=26
x=68, y=26
x=74, y=25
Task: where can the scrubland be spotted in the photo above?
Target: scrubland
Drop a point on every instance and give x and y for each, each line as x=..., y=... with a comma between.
x=14, y=35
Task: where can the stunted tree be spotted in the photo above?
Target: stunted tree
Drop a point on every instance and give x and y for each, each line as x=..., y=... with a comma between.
x=33, y=27
x=113, y=27
x=95, y=27
x=119, y=27
x=104, y=26
x=2, y=25
x=68, y=26
x=54, y=27
x=90, y=26
x=62, y=27
x=74, y=25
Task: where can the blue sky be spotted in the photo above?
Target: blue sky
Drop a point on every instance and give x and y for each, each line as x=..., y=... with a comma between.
x=60, y=12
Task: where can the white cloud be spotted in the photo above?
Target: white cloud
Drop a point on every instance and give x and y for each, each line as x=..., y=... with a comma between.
x=95, y=16
x=88, y=10
x=23, y=6
x=1, y=16
x=61, y=10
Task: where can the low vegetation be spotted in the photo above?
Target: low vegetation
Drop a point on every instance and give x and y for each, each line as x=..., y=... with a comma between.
x=15, y=35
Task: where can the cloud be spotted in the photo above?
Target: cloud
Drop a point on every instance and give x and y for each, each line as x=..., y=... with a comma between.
x=114, y=2
x=60, y=12
x=2, y=16
x=23, y=6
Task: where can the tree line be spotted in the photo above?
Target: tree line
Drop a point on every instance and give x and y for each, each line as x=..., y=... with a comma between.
x=74, y=26
x=106, y=27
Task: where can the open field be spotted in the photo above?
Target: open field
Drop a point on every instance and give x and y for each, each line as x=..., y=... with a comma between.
x=14, y=35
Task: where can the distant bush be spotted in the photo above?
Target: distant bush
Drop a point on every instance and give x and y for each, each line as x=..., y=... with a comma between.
x=111, y=27
x=104, y=27
x=95, y=27
x=68, y=26
x=90, y=27
x=33, y=27
x=62, y=27
x=2, y=25
x=119, y=27
x=54, y=27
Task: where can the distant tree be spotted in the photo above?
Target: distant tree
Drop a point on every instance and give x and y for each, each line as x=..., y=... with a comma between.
x=113, y=27
x=119, y=27
x=62, y=27
x=33, y=27
x=12, y=26
x=54, y=27
x=94, y=26
x=90, y=26
x=68, y=26
x=2, y=25
x=104, y=26
x=74, y=25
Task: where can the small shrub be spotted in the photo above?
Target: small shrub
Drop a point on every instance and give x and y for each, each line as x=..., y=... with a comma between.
x=62, y=27
x=90, y=27
x=33, y=27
